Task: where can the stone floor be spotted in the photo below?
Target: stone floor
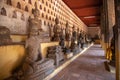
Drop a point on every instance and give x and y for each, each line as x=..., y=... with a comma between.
x=88, y=66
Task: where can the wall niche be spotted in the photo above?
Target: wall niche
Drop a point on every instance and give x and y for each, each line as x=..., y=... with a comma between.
x=29, y=1
x=3, y=11
x=26, y=8
x=19, y=5
x=9, y=2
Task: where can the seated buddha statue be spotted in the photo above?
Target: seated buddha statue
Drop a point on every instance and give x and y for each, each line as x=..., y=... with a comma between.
x=35, y=66
x=57, y=30
x=4, y=36
x=36, y=26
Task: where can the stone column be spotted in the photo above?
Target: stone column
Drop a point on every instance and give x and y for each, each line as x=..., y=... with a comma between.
x=105, y=27
x=108, y=21
x=117, y=38
x=111, y=23
x=111, y=17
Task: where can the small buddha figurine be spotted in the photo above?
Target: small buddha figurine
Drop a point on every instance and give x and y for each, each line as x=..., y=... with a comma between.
x=67, y=31
x=4, y=36
x=57, y=30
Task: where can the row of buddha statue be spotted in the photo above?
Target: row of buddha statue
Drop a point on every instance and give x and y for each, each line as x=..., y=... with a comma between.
x=35, y=66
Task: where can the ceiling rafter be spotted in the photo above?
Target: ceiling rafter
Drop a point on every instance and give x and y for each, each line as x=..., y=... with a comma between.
x=82, y=7
x=87, y=10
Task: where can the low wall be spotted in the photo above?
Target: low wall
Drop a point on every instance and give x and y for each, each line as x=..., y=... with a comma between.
x=18, y=38
x=10, y=57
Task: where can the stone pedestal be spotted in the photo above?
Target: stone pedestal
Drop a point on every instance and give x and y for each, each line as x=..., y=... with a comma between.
x=55, y=52
x=38, y=71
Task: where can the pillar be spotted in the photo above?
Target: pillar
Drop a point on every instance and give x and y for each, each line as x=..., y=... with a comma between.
x=107, y=23
x=104, y=26
x=117, y=38
x=111, y=23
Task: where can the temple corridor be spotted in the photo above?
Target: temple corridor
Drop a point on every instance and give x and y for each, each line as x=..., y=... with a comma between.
x=88, y=66
x=59, y=39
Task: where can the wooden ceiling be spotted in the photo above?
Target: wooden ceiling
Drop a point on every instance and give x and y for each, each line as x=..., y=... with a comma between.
x=87, y=10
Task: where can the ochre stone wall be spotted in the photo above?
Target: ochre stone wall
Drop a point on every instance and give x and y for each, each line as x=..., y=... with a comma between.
x=18, y=12
x=10, y=57
x=19, y=38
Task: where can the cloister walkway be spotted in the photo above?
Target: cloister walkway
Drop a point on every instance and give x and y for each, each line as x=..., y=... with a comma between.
x=88, y=66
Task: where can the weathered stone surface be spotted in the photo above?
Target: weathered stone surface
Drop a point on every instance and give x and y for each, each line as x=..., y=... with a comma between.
x=55, y=52
x=35, y=66
x=57, y=30
x=4, y=36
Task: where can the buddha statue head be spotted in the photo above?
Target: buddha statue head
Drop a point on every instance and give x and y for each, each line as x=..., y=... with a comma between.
x=36, y=13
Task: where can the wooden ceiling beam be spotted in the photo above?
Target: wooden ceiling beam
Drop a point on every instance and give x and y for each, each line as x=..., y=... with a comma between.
x=97, y=15
x=82, y=7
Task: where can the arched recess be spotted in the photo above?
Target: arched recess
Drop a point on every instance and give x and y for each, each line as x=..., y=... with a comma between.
x=49, y=18
x=26, y=8
x=48, y=11
x=9, y=2
x=44, y=22
x=44, y=9
x=19, y=5
x=29, y=1
x=40, y=6
x=42, y=15
x=42, y=1
x=3, y=11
